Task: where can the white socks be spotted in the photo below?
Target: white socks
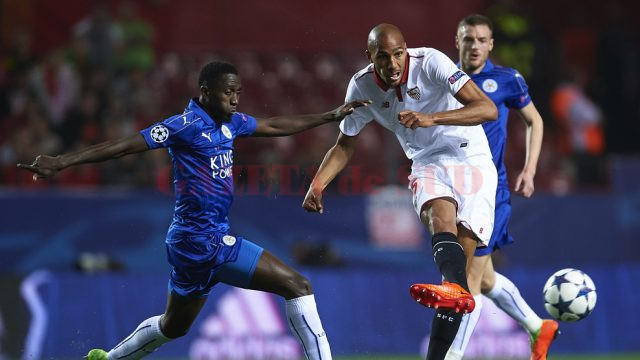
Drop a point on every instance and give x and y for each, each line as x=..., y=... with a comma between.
x=467, y=325
x=143, y=341
x=304, y=322
x=506, y=295
x=302, y=317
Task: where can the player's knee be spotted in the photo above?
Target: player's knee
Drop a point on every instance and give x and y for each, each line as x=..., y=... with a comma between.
x=298, y=285
x=438, y=223
x=174, y=331
x=486, y=285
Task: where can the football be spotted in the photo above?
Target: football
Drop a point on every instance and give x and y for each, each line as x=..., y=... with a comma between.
x=569, y=295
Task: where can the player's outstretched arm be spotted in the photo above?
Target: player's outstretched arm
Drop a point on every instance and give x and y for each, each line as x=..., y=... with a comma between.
x=478, y=108
x=334, y=161
x=47, y=166
x=535, y=129
x=288, y=125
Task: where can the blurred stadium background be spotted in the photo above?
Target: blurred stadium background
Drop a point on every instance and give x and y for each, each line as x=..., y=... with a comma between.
x=82, y=256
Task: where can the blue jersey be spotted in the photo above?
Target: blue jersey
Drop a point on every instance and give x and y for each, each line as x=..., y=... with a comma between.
x=202, y=153
x=508, y=90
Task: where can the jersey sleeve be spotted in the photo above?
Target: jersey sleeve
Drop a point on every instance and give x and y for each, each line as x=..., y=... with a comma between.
x=519, y=93
x=175, y=131
x=246, y=124
x=352, y=124
x=443, y=72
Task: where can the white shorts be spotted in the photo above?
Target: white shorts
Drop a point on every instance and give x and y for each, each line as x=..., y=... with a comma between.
x=470, y=182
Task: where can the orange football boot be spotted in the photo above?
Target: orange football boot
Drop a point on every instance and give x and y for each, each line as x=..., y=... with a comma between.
x=541, y=341
x=448, y=296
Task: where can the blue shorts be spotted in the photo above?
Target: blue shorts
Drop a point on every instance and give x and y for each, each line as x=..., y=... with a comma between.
x=500, y=236
x=199, y=262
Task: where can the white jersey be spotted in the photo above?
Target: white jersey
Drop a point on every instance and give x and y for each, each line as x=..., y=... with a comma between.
x=430, y=82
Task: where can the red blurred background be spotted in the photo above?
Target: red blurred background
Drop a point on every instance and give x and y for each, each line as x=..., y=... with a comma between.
x=79, y=72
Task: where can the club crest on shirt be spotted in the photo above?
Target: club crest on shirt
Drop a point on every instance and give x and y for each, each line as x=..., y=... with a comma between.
x=159, y=133
x=226, y=131
x=414, y=93
x=489, y=86
x=229, y=240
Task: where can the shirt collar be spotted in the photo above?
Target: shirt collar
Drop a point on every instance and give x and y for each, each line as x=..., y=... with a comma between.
x=405, y=76
x=488, y=66
x=196, y=108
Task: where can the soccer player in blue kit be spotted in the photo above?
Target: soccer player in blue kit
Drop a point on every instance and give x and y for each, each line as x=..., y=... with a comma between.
x=508, y=90
x=200, y=248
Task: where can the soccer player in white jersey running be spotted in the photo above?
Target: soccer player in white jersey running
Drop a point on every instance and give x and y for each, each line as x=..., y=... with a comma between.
x=435, y=111
x=508, y=90
x=200, y=247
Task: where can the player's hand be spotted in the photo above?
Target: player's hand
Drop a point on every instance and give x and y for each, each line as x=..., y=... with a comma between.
x=347, y=109
x=313, y=200
x=43, y=166
x=524, y=184
x=414, y=120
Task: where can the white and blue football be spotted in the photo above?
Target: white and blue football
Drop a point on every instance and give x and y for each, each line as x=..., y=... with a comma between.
x=569, y=295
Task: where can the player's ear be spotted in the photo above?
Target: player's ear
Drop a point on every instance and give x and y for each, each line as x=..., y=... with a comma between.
x=457, y=45
x=368, y=55
x=204, y=90
x=490, y=44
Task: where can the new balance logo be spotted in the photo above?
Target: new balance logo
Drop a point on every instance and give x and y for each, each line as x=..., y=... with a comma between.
x=208, y=136
x=246, y=325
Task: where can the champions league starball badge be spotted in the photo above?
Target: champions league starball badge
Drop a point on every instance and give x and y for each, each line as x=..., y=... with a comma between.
x=159, y=133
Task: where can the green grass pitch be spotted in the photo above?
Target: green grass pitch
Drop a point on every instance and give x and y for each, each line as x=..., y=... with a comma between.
x=551, y=357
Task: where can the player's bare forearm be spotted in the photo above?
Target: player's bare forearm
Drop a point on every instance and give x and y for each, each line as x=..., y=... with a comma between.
x=473, y=113
x=105, y=151
x=534, y=135
x=477, y=109
x=46, y=166
x=334, y=161
x=289, y=125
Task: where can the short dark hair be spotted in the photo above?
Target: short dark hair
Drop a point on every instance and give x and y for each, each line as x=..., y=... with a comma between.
x=211, y=72
x=476, y=19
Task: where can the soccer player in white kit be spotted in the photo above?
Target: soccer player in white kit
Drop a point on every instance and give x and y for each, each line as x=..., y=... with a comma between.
x=435, y=111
